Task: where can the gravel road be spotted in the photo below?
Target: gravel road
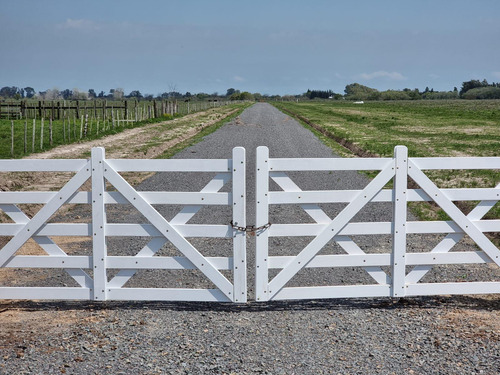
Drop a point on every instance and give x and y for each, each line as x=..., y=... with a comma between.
x=431, y=335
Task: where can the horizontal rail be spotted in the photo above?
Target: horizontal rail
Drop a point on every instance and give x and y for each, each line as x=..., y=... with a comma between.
x=36, y=165
x=170, y=165
x=328, y=164
x=64, y=293
x=182, y=198
x=121, y=230
x=275, y=197
x=226, y=231
x=120, y=262
x=380, y=260
x=114, y=197
x=426, y=289
x=386, y=195
x=336, y=291
x=459, y=163
x=372, y=228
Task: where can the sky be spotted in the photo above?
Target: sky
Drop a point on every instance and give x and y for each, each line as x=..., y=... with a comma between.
x=265, y=46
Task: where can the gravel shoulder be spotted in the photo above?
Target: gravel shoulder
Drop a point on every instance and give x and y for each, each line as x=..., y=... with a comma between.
x=428, y=335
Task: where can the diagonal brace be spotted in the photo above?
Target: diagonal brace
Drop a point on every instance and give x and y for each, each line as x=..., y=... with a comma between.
x=331, y=230
x=168, y=231
x=455, y=214
x=30, y=229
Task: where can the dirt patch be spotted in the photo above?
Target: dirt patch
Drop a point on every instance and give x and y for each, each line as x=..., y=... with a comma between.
x=472, y=324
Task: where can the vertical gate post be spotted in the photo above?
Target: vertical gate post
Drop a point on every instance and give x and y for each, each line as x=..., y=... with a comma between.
x=239, y=219
x=99, y=253
x=262, y=218
x=399, y=221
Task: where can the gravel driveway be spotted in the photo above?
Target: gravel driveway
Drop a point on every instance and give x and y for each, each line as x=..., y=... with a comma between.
x=438, y=335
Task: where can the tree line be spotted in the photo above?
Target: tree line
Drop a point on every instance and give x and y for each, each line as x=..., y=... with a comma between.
x=473, y=89
x=13, y=92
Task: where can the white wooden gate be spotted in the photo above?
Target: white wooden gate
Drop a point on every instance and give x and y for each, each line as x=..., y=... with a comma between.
x=395, y=280
x=397, y=273
x=91, y=272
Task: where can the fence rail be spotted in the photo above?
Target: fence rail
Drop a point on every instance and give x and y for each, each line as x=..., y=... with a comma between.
x=58, y=109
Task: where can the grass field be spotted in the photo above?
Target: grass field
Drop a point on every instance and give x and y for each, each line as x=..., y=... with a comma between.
x=427, y=128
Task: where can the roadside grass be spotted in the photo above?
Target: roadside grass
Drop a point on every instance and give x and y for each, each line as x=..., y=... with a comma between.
x=428, y=128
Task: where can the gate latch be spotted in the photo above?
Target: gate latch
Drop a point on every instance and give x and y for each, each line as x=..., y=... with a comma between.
x=251, y=229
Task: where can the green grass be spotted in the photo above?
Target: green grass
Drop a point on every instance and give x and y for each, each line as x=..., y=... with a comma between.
x=427, y=128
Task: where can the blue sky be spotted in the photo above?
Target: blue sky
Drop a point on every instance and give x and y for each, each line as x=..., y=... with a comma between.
x=271, y=47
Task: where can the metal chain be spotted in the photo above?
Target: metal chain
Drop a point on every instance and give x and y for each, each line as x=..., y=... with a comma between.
x=250, y=228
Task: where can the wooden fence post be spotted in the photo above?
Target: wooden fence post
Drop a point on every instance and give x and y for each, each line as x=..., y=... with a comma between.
x=25, y=135
x=50, y=131
x=12, y=137
x=33, y=138
x=41, y=136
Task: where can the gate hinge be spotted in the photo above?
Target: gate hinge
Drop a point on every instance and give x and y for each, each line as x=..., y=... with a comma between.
x=251, y=229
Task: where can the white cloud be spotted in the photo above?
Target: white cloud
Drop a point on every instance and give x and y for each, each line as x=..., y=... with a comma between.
x=239, y=79
x=395, y=76
x=496, y=74
x=81, y=25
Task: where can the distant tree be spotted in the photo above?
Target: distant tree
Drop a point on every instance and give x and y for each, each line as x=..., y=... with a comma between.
x=101, y=94
x=489, y=92
x=9, y=92
x=92, y=94
x=148, y=96
x=202, y=95
x=30, y=92
x=474, y=84
x=242, y=96
x=394, y=95
x=135, y=94
x=174, y=95
x=232, y=91
x=188, y=94
x=79, y=95
x=323, y=94
x=355, y=91
x=67, y=94
x=52, y=94
x=117, y=93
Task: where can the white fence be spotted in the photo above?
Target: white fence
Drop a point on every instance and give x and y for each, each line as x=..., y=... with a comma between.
x=101, y=171
x=396, y=274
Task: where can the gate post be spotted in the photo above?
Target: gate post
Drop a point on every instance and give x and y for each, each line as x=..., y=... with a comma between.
x=262, y=218
x=239, y=219
x=399, y=197
x=99, y=252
